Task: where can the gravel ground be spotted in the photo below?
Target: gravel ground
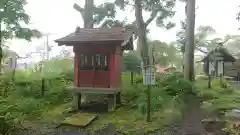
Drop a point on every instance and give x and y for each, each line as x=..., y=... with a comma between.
x=108, y=131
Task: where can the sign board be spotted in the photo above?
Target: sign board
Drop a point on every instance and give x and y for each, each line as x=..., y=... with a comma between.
x=149, y=75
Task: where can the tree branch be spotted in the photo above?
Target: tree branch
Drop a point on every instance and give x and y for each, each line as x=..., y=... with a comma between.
x=201, y=50
x=153, y=15
x=79, y=9
x=104, y=22
x=90, y=25
x=129, y=4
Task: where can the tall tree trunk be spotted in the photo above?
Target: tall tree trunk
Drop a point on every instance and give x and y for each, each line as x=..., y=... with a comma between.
x=189, y=47
x=142, y=43
x=183, y=62
x=1, y=51
x=88, y=14
x=141, y=31
x=192, y=124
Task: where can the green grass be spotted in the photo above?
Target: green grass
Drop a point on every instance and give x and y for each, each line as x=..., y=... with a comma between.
x=129, y=121
x=26, y=104
x=125, y=119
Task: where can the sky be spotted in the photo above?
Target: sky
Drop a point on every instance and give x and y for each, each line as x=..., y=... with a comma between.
x=57, y=18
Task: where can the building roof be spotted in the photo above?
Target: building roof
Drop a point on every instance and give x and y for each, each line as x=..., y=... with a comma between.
x=236, y=64
x=227, y=57
x=163, y=69
x=83, y=35
x=11, y=53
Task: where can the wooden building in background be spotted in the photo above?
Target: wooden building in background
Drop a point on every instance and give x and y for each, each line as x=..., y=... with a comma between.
x=218, y=62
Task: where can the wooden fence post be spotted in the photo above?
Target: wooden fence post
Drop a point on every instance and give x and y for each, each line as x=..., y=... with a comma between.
x=209, y=81
x=131, y=74
x=43, y=87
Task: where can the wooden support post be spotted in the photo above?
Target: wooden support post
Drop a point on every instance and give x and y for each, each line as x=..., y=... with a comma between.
x=43, y=87
x=238, y=77
x=79, y=98
x=77, y=101
x=118, y=99
x=111, y=102
x=74, y=101
x=148, y=103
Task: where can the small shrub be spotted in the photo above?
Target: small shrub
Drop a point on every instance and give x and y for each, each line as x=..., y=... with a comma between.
x=68, y=75
x=157, y=99
x=8, y=124
x=138, y=80
x=232, y=129
x=174, y=84
x=6, y=86
x=130, y=94
x=4, y=126
x=221, y=85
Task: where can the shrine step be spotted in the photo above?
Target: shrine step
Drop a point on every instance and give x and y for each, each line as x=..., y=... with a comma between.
x=79, y=120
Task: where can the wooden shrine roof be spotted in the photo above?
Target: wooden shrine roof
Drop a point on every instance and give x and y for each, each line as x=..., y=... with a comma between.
x=94, y=35
x=227, y=57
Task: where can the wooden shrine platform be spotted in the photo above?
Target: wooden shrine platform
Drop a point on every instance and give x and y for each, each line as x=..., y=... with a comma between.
x=113, y=95
x=90, y=90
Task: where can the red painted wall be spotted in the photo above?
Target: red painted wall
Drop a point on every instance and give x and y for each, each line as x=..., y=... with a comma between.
x=118, y=63
x=112, y=70
x=101, y=79
x=75, y=69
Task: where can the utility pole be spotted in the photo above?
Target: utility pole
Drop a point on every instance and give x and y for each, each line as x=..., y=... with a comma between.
x=47, y=47
x=190, y=46
x=45, y=57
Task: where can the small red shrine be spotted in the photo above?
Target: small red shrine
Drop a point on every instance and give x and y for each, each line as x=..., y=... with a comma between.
x=98, y=59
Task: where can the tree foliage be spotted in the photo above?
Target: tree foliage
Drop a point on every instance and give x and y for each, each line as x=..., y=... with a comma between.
x=165, y=54
x=131, y=62
x=238, y=15
x=57, y=65
x=232, y=44
x=181, y=37
x=160, y=10
x=104, y=16
x=12, y=16
x=203, y=42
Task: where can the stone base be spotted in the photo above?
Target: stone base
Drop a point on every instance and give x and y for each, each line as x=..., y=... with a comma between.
x=114, y=96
